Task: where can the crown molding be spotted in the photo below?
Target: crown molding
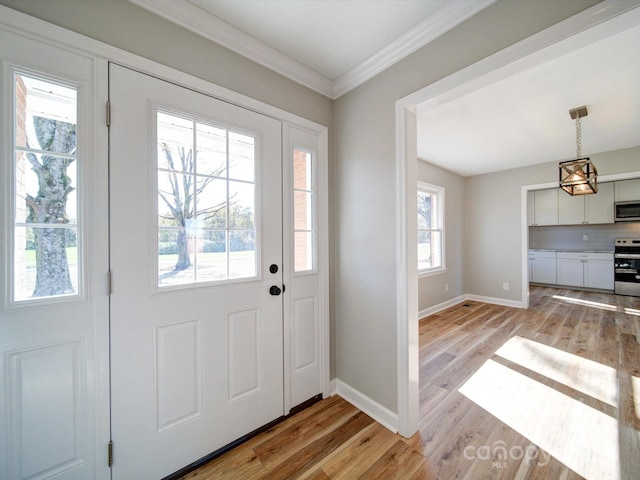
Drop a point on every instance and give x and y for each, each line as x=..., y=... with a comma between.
x=435, y=25
x=197, y=20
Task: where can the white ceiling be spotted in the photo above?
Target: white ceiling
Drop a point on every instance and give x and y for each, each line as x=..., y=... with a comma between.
x=332, y=37
x=332, y=46
x=524, y=119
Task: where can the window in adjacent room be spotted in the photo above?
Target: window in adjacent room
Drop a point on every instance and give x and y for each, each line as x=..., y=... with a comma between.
x=430, y=228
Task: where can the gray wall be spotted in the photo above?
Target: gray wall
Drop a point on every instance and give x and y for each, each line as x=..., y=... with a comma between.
x=494, y=221
x=364, y=188
x=431, y=289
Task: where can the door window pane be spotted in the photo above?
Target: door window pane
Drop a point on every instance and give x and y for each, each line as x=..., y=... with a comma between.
x=206, y=202
x=45, y=257
x=303, y=208
x=241, y=157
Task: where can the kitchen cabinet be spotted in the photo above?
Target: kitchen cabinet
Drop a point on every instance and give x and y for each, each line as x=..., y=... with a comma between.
x=599, y=272
x=587, y=209
x=545, y=207
x=570, y=269
x=531, y=199
x=627, y=190
x=599, y=207
x=542, y=266
x=585, y=269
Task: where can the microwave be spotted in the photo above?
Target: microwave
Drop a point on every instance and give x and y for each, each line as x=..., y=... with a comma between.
x=627, y=211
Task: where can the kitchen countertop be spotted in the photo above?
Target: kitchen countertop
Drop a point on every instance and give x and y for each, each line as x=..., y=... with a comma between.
x=573, y=250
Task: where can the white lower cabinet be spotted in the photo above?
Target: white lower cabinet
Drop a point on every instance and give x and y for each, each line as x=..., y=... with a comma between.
x=542, y=266
x=598, y=272
x=591, y=270
x=571, y=268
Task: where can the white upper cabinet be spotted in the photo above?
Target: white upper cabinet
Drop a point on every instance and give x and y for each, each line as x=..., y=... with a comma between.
x=545, y=210
x=583, y=209
x=599, y=207
x=571, y=210
x=627, y=190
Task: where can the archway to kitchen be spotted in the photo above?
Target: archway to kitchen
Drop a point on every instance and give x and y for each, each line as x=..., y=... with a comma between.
x=544, y=46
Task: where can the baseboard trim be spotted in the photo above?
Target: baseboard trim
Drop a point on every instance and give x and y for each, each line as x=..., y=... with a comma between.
x=462, y=298
x=380, y=414
x=441, y=306
x=495, y=301
x=333, y=387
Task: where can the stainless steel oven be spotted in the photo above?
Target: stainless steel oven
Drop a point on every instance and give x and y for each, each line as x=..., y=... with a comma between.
x=627, y=266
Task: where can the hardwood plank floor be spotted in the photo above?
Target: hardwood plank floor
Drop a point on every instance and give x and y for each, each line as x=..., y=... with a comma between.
x=551, y=392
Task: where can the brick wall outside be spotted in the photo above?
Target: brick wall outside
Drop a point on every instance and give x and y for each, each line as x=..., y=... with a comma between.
x=20, y=240
x=300, y=209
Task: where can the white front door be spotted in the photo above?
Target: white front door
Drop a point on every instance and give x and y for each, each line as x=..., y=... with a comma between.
x=53, y=266
x=196, y=314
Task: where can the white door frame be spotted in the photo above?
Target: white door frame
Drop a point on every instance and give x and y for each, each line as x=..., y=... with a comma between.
x=596, y=22
x=14, y=21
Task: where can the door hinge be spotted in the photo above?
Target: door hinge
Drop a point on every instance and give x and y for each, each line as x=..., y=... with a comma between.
x=109, y=289
x=110, y=454
x=108, y=113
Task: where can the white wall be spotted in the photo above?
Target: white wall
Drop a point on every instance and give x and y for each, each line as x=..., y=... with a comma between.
x=432, y=289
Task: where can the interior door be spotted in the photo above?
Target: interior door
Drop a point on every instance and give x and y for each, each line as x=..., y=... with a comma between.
x=53, y=265
x=196, y=310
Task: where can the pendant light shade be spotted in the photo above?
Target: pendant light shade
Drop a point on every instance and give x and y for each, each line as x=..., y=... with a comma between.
x=579, y=176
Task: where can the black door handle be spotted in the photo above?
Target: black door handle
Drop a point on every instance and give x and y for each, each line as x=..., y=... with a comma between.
x=275, y=290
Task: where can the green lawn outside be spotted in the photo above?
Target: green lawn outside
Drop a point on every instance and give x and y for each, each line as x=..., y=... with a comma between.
x=72, y=257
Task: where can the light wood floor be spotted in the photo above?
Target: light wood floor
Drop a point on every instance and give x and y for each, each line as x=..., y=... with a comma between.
x=505, y=393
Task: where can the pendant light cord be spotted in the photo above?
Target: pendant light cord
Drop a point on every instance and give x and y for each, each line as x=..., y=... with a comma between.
x=578, y=137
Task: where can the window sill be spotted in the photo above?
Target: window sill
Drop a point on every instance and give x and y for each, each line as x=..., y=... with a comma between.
x=431, y=273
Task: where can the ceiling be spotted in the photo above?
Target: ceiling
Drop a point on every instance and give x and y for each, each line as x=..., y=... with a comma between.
x=330, y=37
x=330, y=46
x=521, y=119
x=524, y=119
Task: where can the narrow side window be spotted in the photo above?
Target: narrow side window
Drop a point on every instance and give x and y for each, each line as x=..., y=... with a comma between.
x=303, y=212
x=430, y=228
x=45, y=227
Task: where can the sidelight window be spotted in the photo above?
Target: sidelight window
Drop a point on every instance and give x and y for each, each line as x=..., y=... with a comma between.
x=303, y=208
x=45, y=234
x=430, y=228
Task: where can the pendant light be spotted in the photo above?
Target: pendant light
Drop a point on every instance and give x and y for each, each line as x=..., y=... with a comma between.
x=579, y=176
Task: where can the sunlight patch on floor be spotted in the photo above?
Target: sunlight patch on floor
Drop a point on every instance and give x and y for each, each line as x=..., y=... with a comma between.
x=581, y=437
x=635, y=382
x=589, y=377
x=598, y=305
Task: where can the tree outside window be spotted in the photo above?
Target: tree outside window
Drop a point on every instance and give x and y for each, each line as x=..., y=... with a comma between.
x=430, y=228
